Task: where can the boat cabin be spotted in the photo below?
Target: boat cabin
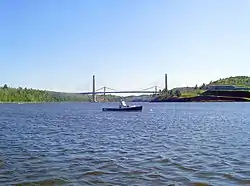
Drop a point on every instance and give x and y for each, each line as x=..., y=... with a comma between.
x=122, y=104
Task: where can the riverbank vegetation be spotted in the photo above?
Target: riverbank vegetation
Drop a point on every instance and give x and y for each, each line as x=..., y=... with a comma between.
x=239, y=81
x=201, y=93
x=10, y=94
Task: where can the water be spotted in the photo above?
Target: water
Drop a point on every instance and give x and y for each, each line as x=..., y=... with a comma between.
x=166, y=144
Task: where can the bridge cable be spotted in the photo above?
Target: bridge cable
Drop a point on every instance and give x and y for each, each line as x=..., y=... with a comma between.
x=100, y=89
x=160, y=87
x=111, y=89
x=149, y=88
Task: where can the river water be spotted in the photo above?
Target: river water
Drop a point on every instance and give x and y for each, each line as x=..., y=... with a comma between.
x=165, y=144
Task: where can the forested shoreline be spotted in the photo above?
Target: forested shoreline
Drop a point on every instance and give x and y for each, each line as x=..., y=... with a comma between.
x=9, y=94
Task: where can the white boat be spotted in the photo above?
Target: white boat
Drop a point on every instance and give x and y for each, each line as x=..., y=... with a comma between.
x=124, y=107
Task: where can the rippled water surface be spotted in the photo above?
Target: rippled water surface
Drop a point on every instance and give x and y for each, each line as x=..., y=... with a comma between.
x=165, y=144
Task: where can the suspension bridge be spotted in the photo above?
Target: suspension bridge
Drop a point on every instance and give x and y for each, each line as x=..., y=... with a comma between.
x=106, y=90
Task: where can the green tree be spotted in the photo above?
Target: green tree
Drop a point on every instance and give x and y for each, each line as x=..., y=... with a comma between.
x=5, y=86
x=177, y=93
x=203, y=86
x=171, y=93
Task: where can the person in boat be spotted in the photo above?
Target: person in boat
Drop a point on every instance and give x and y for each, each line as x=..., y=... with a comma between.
x=122, y=104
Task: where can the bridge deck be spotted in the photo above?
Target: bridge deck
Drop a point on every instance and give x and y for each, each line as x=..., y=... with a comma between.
x=119, y=92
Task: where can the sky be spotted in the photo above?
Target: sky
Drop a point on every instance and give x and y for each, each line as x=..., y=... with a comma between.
x=127, y=44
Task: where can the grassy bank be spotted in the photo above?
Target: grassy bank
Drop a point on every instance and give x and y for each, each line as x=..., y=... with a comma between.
x=209, y=96
x=203, y=94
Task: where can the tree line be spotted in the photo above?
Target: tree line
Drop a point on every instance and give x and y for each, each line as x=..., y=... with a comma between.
x=8, y=94
x=171, y=93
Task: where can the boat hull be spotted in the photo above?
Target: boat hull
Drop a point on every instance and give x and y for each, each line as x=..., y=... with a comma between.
x=127, y=109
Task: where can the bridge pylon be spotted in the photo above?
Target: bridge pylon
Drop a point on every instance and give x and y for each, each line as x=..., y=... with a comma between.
x=156, y=89
x=94, y=92
x=104, y=93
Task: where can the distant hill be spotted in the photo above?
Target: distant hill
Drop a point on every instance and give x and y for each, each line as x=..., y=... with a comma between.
x=240, y=81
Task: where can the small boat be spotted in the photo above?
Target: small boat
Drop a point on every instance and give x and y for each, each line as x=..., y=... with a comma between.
x=124, y=107
x=129, y=108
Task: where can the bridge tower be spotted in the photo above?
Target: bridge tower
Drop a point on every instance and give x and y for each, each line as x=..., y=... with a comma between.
x=155, y=89
x=104, y=93
x=94, y=93
x=166, y=81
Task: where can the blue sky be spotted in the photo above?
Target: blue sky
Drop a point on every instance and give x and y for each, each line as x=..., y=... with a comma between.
x=127, y=44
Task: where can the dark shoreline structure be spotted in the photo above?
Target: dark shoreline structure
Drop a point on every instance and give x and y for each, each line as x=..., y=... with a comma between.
x=203, y=99
x=211, y=96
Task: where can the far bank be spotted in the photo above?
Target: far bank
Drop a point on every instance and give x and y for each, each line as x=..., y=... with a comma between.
x=209, y=96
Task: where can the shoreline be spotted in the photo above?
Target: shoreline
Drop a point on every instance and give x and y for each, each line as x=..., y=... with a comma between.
x=35, y=102
x=6, y=102
x=202, y=99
